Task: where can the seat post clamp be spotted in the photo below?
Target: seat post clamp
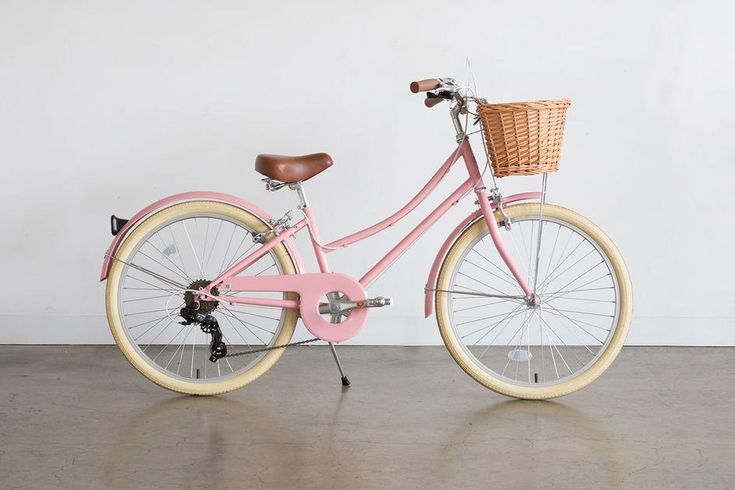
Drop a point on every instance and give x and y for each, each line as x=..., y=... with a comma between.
x=273, y=185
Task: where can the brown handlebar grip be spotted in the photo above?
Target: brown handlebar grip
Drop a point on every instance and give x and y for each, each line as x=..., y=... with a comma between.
x=425, y=85
x=432, y=101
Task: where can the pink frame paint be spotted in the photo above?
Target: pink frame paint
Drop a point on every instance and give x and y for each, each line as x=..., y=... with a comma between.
x=474, y=182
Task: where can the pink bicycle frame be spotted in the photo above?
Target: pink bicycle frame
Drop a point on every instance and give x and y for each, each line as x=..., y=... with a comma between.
x=473, y=182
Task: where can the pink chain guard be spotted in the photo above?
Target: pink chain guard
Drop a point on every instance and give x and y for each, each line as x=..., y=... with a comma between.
x=311, y=289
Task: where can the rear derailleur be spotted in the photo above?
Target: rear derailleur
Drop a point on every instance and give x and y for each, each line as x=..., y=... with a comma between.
x=209, y=325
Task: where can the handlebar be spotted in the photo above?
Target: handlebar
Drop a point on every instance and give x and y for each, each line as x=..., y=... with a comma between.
x=438, y=90
x=425, y=85
x=432, y=101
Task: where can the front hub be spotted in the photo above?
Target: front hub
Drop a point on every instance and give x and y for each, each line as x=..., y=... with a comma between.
x=534, y=301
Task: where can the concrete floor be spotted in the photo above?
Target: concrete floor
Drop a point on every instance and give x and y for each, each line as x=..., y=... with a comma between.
x=81, y=417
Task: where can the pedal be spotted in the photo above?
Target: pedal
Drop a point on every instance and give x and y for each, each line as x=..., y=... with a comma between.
x=378, y=302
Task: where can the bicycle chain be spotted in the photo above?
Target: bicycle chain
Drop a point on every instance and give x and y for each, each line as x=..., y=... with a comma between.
x=266, y=349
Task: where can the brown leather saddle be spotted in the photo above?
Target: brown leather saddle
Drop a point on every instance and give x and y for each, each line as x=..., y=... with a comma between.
x=292, y=169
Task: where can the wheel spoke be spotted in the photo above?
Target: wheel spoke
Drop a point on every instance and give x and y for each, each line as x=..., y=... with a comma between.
x=512, y=315
x=583, y=285
x=562, y=293
x=231, y=310
x=556, y=348
x=520, y=329
x=204, y=248
x=499, y=291
x=163, y=279
x=233, y=314
x=556, y=276
x=481, y=319
x=513, y=284
x=578, y=320
x=484, y=305
x=581, y=343
x=188, y=331
x=193, y=250
x=185, y=276
x=235, y=260
x=145, y=299
x=245, y=324
x=227, y=250
x=579, y=326
x=152, y=326
x=214, y=242
x=500, y=269
x=550, y=276
x=505, y=316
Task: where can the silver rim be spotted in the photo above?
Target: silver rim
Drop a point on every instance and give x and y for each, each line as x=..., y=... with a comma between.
x=183, y=250
x=541, y=344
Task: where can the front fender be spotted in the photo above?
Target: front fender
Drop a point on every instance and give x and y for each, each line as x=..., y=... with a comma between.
x=434, y=272
x=191, y=196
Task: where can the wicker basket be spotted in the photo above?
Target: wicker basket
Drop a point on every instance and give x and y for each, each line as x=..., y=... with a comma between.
x=523, y=138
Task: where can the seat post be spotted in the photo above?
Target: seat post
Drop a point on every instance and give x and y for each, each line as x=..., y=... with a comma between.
x=299, y=188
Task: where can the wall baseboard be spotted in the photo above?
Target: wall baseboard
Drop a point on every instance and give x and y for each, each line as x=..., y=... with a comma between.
x=380, y=330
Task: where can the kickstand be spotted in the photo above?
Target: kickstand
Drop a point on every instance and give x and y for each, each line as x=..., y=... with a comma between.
x=345, y=381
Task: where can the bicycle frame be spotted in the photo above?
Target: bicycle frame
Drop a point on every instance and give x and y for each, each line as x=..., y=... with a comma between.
x=287, y=283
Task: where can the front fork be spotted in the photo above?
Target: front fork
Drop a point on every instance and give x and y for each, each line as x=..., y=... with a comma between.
x=492, y=225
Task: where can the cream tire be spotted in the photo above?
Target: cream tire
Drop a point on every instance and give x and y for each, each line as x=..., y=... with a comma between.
x=590, y=373
x=139, y=362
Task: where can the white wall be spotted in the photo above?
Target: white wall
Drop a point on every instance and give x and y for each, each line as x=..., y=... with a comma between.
x=107, y=106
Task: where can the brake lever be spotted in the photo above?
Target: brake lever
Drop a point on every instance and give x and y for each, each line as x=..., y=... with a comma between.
x=443, y=94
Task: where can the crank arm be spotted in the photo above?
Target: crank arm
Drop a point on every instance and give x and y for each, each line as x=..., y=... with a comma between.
x=344, y=306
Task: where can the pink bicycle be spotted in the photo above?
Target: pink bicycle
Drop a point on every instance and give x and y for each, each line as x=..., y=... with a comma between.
x=204, y=289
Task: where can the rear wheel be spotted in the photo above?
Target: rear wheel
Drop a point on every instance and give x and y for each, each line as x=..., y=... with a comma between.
x=160, y=263
x=534, y=349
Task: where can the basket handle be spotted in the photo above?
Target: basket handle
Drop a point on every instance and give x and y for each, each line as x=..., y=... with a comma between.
x=425, y=85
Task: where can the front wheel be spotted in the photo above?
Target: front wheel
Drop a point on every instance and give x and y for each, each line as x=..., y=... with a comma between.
x=534, y=349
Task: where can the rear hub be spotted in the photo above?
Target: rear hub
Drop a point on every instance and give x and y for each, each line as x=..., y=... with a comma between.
x=193, y=303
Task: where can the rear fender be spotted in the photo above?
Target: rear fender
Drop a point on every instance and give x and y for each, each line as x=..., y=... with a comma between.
x=192, y=196
x=434, y=272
